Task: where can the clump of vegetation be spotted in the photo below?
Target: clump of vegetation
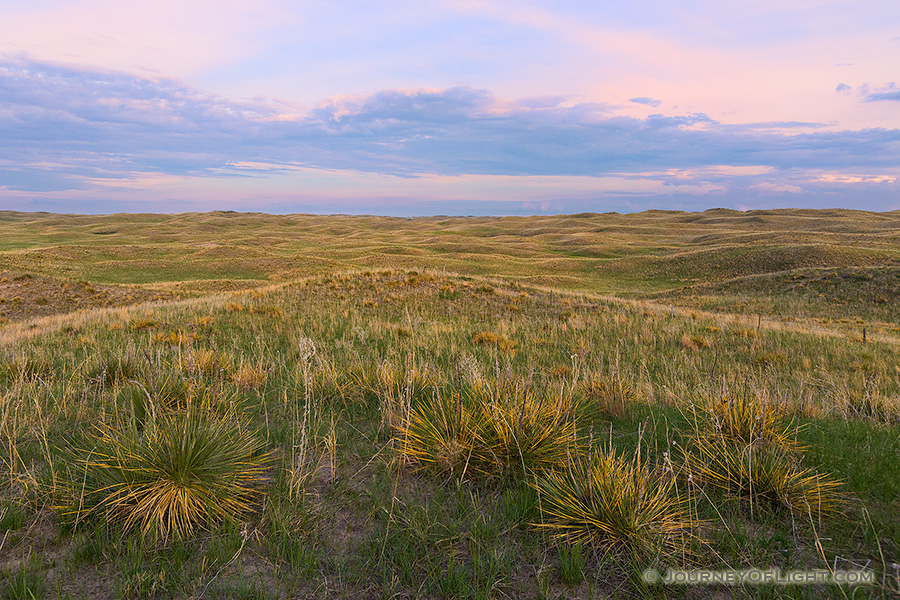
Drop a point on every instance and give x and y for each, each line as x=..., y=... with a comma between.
x=617, y=507
x=492, y=430
x=490, y=338
x=440, y=433
x=203, y=361
x=115, y=368
x=746, y=447
x=249, y=376
x=143, y=324
x=611, y=394
x=744, y=419
x=765, y=475
x=184, y=470
x=871, y=404
x=24, y=583
x=521, y=432
x=27, y=366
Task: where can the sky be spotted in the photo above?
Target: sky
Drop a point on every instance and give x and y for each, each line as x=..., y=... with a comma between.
x=448, y=107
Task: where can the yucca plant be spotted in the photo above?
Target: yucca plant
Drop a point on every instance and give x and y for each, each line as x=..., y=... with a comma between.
x=491, y=430
x=183, y=471
x=763, y=475
x=743, y=418
x=520, y=432
x=616, y=507
x=439, y=433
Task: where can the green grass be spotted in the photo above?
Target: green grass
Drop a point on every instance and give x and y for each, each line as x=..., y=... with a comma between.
x=26, y=582
x=333, y=370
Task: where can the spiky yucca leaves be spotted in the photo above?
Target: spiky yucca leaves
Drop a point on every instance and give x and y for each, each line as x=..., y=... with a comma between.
x=615, y=506
x=184, y=471
x=764, y=474
x=440, y=433
x=520, y=432
x=747, y=447
x=743, y=418
x=491, y=430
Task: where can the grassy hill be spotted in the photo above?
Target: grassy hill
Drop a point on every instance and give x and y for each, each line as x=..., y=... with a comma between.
x=252, y=406
x=634, y=255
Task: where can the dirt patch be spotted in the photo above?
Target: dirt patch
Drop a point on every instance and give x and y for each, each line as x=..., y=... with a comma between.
x=24, y=295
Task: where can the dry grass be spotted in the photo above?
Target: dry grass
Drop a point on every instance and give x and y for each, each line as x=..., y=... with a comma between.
x=249, y=376
x=611, y=394
x=348, y=381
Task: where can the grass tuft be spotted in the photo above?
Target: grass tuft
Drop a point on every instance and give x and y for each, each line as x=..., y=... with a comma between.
x=611, y=394
x=247, y=376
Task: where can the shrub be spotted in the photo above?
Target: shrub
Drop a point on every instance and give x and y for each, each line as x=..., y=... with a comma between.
x=764, y=475
x=184, y=471
x=491, y=430
x=616, y=507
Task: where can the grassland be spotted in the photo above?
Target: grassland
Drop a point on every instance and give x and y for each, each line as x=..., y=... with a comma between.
x=327, y=343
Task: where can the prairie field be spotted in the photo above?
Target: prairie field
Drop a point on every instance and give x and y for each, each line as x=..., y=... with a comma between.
x=226, y=405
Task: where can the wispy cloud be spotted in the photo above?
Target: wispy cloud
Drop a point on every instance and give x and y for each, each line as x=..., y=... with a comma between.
x=889, y=92
x=647, y=101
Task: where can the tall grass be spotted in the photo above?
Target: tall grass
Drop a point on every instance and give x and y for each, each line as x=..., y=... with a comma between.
x=348, y=382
